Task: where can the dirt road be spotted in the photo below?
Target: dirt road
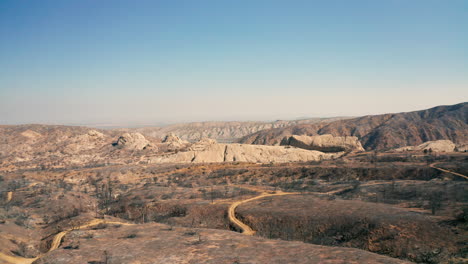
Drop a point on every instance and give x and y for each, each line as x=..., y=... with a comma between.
x=246, y=230
x=10, y=194
x=56, y=241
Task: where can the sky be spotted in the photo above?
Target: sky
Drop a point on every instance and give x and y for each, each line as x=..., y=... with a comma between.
x=153, y=62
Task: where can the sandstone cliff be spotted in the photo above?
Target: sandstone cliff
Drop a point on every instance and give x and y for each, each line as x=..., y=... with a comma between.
x=209, y=152
x=324, y=143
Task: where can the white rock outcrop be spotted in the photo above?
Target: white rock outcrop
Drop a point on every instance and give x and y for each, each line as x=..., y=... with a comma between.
x=95, y=134
x=172, y=138
x=134, y=141
x=203, y=144
x=210, y=152
x=31, y=134
x=462, y=148
x=435, y=146
x=173, y=142
x=324, y=143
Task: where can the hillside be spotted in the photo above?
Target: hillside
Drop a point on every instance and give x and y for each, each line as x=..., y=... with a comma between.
x=223, y=131
x=157, y=243
x=383, y=131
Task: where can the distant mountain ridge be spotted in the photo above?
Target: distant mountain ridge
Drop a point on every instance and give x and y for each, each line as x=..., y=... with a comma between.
x=230, y=131
x=383, y=131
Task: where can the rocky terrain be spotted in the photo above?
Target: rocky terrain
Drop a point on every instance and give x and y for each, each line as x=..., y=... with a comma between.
x=39, y=146
x=223, y=131
x=46, y=146
x=208, y=151
x=324, y=143
x=84, y=195
x=435, y=146
x=33, y=146
x=383, y=131
x=133, y=141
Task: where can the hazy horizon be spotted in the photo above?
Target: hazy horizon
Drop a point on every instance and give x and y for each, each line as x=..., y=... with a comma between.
x=165, y=62
x=133, y=124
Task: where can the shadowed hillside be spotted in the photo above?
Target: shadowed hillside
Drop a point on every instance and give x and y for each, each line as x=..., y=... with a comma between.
x=383, y=131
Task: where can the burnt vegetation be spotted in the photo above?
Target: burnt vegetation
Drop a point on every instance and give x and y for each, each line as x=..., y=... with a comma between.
x=395, y=205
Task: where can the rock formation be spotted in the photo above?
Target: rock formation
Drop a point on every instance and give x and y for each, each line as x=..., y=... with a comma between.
x=31, y=134
x=172, y=142
x=208, y=151
x=95, y=134
x=172, y=138
x=436, y=146
x=462, y=148
x=324, y=143
x=203, y=144
x=133, y=141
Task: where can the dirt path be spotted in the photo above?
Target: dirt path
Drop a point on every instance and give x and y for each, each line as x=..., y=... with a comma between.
x=57, y=240
x=444, y=170
x=246, y=230
x=9, y=196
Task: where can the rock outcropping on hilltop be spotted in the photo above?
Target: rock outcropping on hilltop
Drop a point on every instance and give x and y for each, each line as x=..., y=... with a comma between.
x=208, y=151
x=436, y=146
x=172, y=142
x=324, y=143
x=31, y=135
x=133, y=141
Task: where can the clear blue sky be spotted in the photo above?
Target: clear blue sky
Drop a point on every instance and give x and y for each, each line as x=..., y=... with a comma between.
x=128, y=62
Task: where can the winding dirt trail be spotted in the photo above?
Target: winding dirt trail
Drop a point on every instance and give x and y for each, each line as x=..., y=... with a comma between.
x=56, y=241
x=247, y=230
x=444, y=170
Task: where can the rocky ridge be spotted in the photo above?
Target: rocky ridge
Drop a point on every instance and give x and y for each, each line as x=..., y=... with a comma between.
x=37, y=146
x=324, y=143
x=383, y=132
x=227, y=132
